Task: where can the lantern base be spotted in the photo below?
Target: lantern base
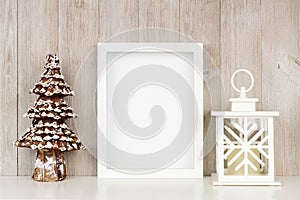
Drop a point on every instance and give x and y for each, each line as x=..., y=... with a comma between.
x=49, y=166
x=216, y=182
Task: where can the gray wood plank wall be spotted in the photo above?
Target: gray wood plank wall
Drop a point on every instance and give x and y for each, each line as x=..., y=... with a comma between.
x=260, y=35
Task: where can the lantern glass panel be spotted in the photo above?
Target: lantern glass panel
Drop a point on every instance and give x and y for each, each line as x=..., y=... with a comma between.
x=245, y=143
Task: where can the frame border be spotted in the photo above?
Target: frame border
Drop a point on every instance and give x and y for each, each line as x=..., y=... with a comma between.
x=197, y=49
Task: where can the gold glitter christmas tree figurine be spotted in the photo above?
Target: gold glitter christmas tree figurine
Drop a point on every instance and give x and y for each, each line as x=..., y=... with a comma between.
x=49, y=134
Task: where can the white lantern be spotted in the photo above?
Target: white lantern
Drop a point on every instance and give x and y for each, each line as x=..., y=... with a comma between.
x=245, y=141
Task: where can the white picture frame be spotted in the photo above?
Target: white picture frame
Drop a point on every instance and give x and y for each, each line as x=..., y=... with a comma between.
x=196, y=59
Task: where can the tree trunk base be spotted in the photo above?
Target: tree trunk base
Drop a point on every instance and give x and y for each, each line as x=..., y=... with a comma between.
x=49, y=166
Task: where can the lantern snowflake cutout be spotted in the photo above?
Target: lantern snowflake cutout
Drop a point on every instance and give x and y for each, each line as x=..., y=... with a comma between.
x=245, y=141
x=49, y=134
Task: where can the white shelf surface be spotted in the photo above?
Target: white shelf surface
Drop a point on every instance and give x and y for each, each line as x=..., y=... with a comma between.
x=90, y=187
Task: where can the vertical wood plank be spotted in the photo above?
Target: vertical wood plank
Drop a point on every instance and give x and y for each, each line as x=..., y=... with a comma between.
x=164, y=14
x=37, y=36
x=117, y=17
x=241, y=44
x=78, y=34
x=200, y=21
x=280, y=79
x=8, y=87
x=163, y=19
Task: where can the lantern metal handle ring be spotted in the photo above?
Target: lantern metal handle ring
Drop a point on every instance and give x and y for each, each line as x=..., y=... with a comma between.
x=242, y=91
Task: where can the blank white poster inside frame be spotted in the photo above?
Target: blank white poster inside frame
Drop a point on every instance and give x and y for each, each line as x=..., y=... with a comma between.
x=117, y=60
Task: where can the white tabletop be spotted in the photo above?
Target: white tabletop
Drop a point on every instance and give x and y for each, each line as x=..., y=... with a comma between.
x=23, y=187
